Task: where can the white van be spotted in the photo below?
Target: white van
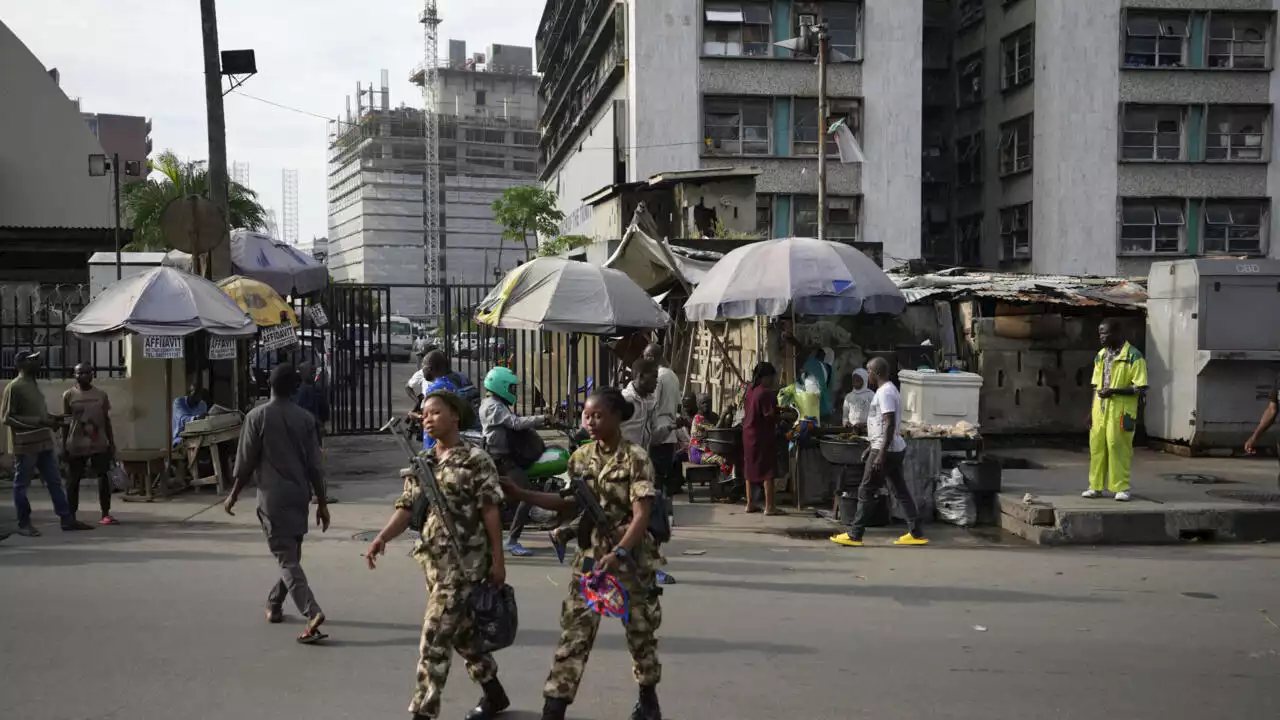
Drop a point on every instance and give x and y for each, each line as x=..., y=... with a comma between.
x=401, y=339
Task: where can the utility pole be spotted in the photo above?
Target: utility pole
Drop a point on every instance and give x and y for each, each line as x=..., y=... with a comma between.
x=115, y=189
x=219, y=263
x=823, y=40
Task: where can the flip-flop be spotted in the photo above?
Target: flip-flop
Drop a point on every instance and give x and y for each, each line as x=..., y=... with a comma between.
x=775, y=512
x=559, y=546
x=753, y=510
x=312, y=635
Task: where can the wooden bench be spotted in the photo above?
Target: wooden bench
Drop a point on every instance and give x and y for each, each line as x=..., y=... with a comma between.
x=708, y=474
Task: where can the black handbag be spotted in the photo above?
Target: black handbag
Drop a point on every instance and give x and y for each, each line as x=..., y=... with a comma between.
x=496, y=617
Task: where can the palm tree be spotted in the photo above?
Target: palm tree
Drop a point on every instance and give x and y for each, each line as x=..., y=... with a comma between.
x=144, y=202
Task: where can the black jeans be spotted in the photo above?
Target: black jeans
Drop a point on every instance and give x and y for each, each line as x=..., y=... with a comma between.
x=872, y=481
x=518, y=476
x=664, y=465
x=101, y=466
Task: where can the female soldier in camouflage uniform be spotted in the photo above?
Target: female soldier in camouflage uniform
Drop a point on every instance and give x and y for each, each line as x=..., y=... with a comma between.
x=621, y=477
x=469, y=481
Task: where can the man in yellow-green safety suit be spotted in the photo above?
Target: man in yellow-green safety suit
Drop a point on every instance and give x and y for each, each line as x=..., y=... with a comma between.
x=1119, y=381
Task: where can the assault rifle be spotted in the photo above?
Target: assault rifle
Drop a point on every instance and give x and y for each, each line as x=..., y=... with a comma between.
x=593, y=517
x=432, y=498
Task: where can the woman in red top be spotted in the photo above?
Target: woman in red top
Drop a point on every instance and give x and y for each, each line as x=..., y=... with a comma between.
x=760, y=436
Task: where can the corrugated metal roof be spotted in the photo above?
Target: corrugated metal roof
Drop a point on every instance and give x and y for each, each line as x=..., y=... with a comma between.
x=1011, y=287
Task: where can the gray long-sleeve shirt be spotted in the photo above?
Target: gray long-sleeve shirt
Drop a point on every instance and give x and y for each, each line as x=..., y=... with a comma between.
x=497, y=420
x=279, y=447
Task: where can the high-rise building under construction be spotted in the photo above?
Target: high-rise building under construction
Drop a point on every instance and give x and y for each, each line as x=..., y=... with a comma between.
x=487, y=115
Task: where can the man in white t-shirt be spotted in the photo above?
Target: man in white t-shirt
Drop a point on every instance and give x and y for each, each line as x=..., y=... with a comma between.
x=884, y=461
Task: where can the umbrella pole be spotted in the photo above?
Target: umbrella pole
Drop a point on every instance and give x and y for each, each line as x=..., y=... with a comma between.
x=168, y=404
x=571, y=410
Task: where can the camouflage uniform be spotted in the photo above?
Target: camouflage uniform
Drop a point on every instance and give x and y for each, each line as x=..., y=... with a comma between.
x=469, y=482
x=617, y=479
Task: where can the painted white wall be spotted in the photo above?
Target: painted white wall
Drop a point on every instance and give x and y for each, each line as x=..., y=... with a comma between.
x=587, y=169
x=892, y=79
x=1077, y=81
x=664, y=123
x=44, y=153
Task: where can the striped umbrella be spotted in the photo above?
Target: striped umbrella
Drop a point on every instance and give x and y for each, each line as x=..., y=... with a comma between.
x=808, y=276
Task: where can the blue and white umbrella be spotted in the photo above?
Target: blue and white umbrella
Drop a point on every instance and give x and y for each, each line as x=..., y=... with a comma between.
x=286, y=269
x=804, y=275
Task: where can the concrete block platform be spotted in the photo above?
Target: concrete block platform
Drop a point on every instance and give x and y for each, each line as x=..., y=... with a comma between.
x=1175, y=499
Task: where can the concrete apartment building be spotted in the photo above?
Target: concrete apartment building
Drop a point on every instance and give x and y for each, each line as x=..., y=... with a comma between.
x=488, y=142
x=634, y=88
x=1097, y=136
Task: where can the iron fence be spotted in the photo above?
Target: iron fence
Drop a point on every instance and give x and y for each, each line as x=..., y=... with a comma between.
x=34, y=317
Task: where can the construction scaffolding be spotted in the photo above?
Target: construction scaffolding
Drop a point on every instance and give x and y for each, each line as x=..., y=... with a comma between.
x=289, y=206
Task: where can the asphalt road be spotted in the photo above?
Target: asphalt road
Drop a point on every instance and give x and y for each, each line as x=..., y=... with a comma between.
x=161, y=618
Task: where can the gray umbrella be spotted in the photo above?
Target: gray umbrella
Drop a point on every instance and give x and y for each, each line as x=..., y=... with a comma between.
x=557, y=295
x=162, y=302
x=286, y=269
x=811, y=277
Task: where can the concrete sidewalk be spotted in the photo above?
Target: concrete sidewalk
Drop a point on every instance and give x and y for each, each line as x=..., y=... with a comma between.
x=1175, y=499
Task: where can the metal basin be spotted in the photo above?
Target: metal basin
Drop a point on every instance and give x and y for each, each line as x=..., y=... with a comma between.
x=842, y=452
x=724, y=441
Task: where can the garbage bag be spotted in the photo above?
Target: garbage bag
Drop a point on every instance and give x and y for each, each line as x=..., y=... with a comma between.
x=496, y=616
x=954, y=502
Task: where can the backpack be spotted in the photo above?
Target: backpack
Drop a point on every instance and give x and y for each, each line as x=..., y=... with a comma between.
x=660, y=518
x=467, y=391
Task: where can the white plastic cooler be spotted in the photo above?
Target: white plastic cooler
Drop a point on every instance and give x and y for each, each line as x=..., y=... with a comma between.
x=933, y=398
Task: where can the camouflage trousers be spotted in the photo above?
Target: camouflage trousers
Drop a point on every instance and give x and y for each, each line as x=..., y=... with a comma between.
x=578, y=627
x=447, y=627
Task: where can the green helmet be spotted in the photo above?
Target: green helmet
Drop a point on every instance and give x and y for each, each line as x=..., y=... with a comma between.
x=502, y=382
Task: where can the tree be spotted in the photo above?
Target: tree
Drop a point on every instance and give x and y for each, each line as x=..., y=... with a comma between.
x=144, y=202
x=526, y=210
x=562, y=245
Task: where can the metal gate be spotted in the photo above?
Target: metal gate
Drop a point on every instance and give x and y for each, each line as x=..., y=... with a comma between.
x=345, y=334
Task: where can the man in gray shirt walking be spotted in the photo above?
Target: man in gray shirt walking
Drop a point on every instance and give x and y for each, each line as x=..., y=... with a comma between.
x=279, y=448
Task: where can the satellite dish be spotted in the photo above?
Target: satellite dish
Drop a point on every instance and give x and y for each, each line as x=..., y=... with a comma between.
x=193, y=224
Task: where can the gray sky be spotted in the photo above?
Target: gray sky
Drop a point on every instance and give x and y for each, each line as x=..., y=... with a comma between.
x=143, y=57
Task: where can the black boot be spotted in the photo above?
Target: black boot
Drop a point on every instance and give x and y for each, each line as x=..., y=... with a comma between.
x=491, y=703
x=647, y=708
x=554, y=708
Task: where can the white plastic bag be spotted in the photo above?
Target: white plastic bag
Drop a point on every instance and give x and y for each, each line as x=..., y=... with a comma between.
x=954, y=503
x=119, y=478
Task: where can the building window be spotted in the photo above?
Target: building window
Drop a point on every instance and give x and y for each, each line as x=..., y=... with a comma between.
x=969, y=81
x=1015, y=232
x=1236, y=134
x=1152, y=227
x=737, y=126
x=480, y=98
x=804, y=123
x=1152, y=133
x=842, y=217
x=486, y=158
x=764, y=215
x=1155, y=40
x=528, y=138
x=970, y=14
x=1017, y=53
x=1238, y=40
x=1235, y=227
x=969, y=239
x=844, y=25
x=1015, y=146
x=969, y=160
x=524, y=166
x=738, y=29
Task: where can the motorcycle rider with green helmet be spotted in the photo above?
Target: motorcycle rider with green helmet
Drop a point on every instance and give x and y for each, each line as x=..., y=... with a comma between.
x=501, y=427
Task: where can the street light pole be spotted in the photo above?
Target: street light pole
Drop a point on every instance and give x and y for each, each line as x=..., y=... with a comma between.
x=217, y=133
x=821, y=30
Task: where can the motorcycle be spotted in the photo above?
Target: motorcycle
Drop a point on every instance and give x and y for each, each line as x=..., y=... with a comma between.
x=547, y=473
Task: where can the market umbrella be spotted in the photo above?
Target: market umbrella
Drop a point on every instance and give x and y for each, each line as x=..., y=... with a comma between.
x=807, y=276
x=285, y=268
x=557, y=295
x=552, y=294
x=264, y=305
x=163, y=302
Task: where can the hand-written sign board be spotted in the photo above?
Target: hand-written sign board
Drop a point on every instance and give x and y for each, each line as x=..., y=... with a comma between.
x=164, y=348
x=279, y=337
x=221, y=348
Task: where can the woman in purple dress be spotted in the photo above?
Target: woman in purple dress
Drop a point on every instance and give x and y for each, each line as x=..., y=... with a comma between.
x=760, y=436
